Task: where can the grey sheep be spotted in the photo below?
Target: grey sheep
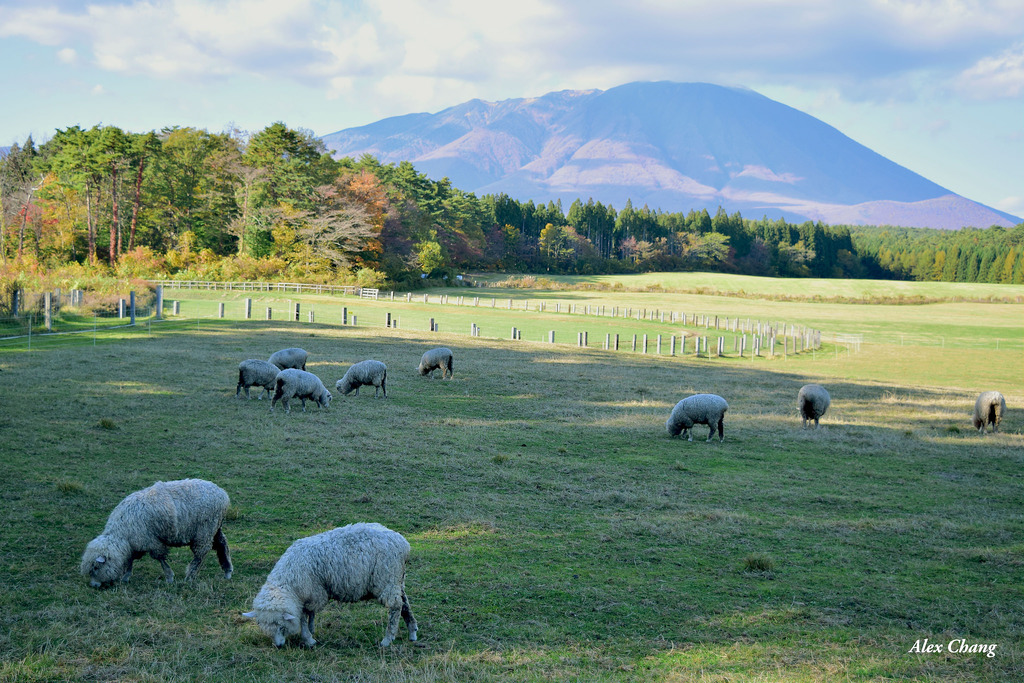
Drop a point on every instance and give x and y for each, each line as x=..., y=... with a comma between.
x=168, y=514
x=356, y=562
x=989, y=410
x=292, y=383
x=289, y=358
x=433, y=359
x=255, y=372
x=813, y=400
x=369, y=372
x=705, y=409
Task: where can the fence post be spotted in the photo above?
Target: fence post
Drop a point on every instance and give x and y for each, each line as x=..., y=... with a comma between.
x=311, y=316
x=513, y=333
x=645, y=343
x=220, y=309
x=15, y=301
x=248, y=309
x=176, y=307
x=132, y=296
x=270, y=313
x=579, y=339
x=387, y=321
x=344, y=315
x=672, y=345
x=659, y=344
x=634, y=343
x=159, y=302
x=48, y=311
x=296, y=311
x=551, y=337
x=432, y=326
x=607, y=339
x=121, y=308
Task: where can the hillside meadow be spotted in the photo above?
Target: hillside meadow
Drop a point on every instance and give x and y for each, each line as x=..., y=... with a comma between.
x=558, y=533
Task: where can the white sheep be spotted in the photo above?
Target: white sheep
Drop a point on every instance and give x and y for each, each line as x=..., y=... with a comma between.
x=705, y=409
x=989, y=410
x=433, y=359
x=255, y=372
x=813, y=400
x=356, y=562
x=292, y=383
x=168, y=514
x=369, y=372
x=289, y=358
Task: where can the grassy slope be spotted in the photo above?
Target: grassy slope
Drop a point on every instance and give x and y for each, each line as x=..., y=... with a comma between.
x=557, y=532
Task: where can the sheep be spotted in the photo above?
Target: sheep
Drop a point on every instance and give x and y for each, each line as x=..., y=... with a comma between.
x=351, y=563
x=289, y=358
x=254, y=372
x=989, y=410
x=437, y=358
x=813, y=400
x=370, y=372
x=168, y=514
x=705, y=409
x=292, y=383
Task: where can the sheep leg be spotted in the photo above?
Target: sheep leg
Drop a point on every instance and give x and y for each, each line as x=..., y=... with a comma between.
x=307, y=629
x=128, y=565
x=689, y=436
x=410, y=620
x=711, y=430
x=220, y=544
x=721, y=429
x=384, y=385
x=161, y=557
x=198, y=555
x=394, y=614
x=303, y=399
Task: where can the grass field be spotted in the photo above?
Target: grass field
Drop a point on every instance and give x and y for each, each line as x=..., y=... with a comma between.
x=557, y=532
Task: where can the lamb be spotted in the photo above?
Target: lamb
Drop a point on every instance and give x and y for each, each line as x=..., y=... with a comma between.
x=289, y=358
x=705, y=409
x=813, y=400
x=370, y=372
x=168, y=514
x=989, y=410
x=292, y=383
x=254, y=372
x=351, y=563
x=433, y=359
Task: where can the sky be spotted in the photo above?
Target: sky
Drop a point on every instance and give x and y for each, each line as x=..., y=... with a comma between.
x=934, y=85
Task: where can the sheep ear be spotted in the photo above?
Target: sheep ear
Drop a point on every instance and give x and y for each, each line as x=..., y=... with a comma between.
x=288, y=617
x=249, y=615
x=100, y=559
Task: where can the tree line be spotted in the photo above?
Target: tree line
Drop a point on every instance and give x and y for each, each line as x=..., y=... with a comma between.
x=276, y=204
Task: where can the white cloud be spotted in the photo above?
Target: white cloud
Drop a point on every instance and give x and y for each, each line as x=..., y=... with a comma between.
x=1001, y=76
x=67, y=56
x=500, y=49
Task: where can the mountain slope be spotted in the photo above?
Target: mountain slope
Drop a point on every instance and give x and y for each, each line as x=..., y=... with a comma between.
x=673, y=146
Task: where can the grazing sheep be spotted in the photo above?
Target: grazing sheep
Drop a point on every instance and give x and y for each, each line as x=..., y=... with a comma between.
x=437, y=358
x=254, y=372
x=370, y=372
x=989, y=410
x=705, y=409
x=349, y=564
x=289, y=358
x=813, y=400
x=292, y=383
x=168, y=514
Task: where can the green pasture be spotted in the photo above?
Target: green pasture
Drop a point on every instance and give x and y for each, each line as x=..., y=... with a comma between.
x=558, y=533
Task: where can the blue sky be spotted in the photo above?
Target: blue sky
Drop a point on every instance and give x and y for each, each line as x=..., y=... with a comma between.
x=934, y=85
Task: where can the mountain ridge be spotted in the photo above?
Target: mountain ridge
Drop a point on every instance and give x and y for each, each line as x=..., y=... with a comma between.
x=671, y=146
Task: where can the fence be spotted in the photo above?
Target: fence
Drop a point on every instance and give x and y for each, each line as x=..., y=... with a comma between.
x=750, y=338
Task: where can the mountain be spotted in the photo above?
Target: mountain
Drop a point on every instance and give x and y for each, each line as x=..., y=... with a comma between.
x=671, y=146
